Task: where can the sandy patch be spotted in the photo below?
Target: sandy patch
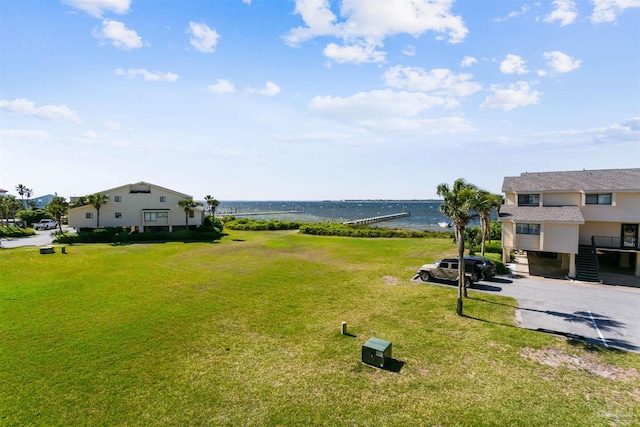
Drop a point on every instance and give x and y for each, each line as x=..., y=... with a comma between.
x=589, y=363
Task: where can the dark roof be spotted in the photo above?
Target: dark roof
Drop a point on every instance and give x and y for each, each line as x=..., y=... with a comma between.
x=584, y=180
x=535, y=214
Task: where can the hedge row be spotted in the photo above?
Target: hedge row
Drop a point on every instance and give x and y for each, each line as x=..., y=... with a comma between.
x=244, y=224
x=13, y=231
x=339, y=229
x=117, y=235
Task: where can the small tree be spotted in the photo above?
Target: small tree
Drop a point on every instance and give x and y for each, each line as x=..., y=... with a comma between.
x=187, y=205
x=458, y=204
x=97, y=200
x=13, y=206
x=485, y=204
x=58, y=207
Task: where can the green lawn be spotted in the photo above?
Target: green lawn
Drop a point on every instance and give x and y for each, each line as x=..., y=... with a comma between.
x=246, y=331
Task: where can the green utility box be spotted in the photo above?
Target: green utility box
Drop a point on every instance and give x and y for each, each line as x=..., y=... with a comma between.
x=376, y=352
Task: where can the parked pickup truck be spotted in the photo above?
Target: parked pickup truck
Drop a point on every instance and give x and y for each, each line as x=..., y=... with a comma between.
x=45, y=224
x=476, y=268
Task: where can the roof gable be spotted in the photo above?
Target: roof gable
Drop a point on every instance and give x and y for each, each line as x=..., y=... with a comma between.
x=139, y=187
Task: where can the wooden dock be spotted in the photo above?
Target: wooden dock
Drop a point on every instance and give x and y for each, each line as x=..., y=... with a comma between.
x=377, y=218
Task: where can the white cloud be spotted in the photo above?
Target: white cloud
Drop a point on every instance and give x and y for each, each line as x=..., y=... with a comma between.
x=565, y=12
x=627, y=131
x=89, y=135
x=512, y=96
x=111, y=125
x=98, y=7
x=410, y=50
x=270, y=89
x=119, y=35
x=377, y=105
x=609, y=10
x=357, y=54
x=561, y=62
x=221, y=86
x=147, y=75
x=440, y=81
x=24, y=107
x=363, y=28
x=468, y=61
x=203, y=38
x=513, y=65
x=22, y=135
x=513, y=14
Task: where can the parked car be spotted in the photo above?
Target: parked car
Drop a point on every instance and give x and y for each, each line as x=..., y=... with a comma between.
x=476, y=268
x=485, y=268
x=45, y=224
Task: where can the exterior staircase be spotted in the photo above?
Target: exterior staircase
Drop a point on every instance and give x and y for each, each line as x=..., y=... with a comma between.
x=587, y=269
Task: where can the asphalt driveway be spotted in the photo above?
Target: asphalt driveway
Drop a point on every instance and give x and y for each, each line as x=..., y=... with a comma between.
x=600, y=314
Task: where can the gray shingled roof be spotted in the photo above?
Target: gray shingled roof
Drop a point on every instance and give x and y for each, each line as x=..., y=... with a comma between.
x=536, y=214
x=585, y=180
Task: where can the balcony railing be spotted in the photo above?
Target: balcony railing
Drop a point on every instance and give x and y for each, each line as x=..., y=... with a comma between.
x=615, y=242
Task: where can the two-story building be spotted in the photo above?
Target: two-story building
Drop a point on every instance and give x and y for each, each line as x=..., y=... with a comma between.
x=577, y=215
x=140, y=207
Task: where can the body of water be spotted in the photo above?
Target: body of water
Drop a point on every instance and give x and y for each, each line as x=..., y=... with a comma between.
x=425, y=215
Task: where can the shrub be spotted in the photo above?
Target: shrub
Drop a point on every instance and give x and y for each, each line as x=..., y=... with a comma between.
x=31, y=216
x=13, y=231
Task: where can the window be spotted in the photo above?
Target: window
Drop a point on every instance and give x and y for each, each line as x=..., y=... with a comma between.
x=88, y=215
x=598, y=199
x=191, y=214
x=118, y=214
x=444, y=265
x=527, y=228
x=117, y=199
x=163, y=199
x=528, y=199
x=153, y=216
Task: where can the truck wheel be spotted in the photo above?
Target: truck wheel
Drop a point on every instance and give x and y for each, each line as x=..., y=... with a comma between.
x=425, y=276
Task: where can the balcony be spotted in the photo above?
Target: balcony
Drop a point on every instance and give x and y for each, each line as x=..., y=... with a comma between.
x=616, y=242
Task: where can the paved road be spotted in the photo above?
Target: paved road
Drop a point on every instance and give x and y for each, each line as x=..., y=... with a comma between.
x=42, y=238
x=601, y=314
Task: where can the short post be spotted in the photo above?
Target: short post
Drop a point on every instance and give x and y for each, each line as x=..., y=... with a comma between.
x=64, y=250
x=344, y=328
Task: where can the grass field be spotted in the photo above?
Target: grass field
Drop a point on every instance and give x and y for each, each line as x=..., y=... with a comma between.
x=246, y=331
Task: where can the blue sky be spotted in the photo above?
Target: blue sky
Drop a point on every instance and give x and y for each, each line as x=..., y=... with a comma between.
x=313, y=99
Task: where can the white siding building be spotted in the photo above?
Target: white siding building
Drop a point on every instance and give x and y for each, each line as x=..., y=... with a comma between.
x=141, y=207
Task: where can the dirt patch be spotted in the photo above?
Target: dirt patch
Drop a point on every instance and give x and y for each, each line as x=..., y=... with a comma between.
x=589, y=363
x=390, y=280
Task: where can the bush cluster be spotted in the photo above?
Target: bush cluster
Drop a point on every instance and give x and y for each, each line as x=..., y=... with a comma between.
x=339, y=229
x=13, y=231
x=245, y=224
x=118, y=235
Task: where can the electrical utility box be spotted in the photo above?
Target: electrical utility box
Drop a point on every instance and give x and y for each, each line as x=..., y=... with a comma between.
x=376, y=352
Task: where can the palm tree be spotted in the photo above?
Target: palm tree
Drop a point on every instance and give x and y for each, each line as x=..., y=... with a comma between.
x=58, y=207
x=486, y=203
x=187, y=205
x=458, y=204
x=213, y=204
x=22, y=191
x=97, y=200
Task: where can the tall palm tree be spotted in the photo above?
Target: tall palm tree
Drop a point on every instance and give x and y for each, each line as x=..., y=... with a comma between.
x=458, y=204
x=212, y=203
x=58, y=207
x=187, y=205
x=97, y=200
x=22, y=191
x=486, y=203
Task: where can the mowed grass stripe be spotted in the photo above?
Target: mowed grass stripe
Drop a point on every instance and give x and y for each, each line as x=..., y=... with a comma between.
x=246, y=331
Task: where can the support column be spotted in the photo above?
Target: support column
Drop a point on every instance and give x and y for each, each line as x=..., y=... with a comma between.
x=572, y=265
x=638, y=264
x=505, y=255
